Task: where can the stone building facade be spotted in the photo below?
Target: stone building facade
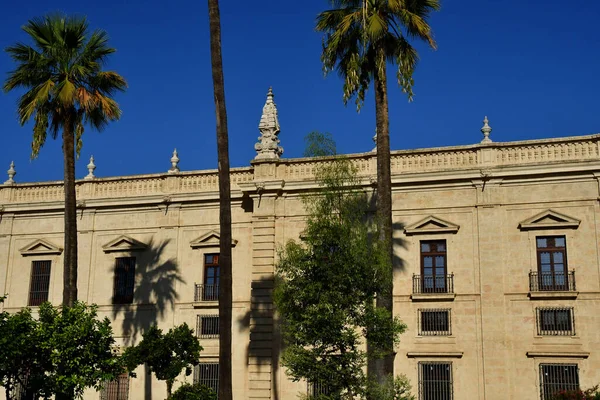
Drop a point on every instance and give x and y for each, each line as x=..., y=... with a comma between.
x=497, y=276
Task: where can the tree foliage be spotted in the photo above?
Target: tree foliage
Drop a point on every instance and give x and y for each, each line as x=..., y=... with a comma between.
x=326, y=285
x=194, y=392
x=167, y=355
x=63, y=352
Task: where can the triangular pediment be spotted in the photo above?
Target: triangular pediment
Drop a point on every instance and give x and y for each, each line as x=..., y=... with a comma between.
x=209, y=239
x=431, y=224
x=40, y=247
x=549, y=219
x=124, y=243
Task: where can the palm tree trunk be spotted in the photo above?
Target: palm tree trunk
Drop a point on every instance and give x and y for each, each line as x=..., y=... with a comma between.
x=385, y=366
x=70, y=252
x=225, y=279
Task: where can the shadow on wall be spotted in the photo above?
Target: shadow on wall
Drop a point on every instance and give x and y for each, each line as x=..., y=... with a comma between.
x=398, y=263
x=264, y=347
x=154, y=294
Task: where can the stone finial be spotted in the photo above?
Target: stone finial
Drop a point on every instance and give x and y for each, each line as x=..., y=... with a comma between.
x=174, y=161
x=91, y=167
x=11, y=174
x=268, y=147
x=375, y=140
x=486, y=130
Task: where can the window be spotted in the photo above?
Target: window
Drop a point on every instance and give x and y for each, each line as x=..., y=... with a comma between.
x=434, y=322
x=207, y=326
x=433, y=266
x=556, y=321
x=211, y=277
x=318, y=388
x=124, y=280
x=552, y=263
x=40, y=282
x=117, y=389
x=435, y=381
x=21, y=390
x=557, y=377
x=207, y=374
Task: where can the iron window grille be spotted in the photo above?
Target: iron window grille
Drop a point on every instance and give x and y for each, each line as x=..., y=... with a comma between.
x=124, y=283
x=555, y=321
x=40, y=282
x=207, y=373
x=435, y=381
x=435, y=322
x=555, y=378
x=206, y=292
x=318, y=388
x=552, y=263
x=428, y=284
x=117, y=389
x=552, y=281
x=21, y=389
x=207, y=326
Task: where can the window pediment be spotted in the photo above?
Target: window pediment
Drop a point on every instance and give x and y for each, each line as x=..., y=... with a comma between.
x=40, y=247
x=549, y=219
x=124, y=243
x=431, y=224
x=209, y=239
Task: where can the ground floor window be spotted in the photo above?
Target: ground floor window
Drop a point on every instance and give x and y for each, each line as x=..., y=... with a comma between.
x=435, y=381
x=558, y=377
x=207, y=373
x=117, y=389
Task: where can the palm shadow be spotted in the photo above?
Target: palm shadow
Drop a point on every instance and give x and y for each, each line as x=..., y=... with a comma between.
x=154, y=295
x=264, y=330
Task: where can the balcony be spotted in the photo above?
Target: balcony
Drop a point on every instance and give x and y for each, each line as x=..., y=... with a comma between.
x=433, y=288
x=206, y=293
x=552, y=285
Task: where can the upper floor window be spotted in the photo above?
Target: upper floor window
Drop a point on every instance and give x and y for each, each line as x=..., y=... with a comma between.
x=555, y=321
x=207, y=326
x=555, y=378
x=435, y=381
x=211, y=277
x=552, y=262
x=207, y=373
x=433, y=266
x=40, y=282
x=124, y=280
x=434, y=322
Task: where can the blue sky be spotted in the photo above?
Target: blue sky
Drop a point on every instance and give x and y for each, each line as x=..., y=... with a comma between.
x=531, y=66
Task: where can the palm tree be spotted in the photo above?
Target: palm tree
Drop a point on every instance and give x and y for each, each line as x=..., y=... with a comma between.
x=225, y=295
x=361, y=38
x=66, y=89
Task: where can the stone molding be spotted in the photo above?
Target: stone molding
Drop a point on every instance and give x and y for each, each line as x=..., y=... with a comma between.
x=40, y=247
x=434, y=354
x=209, y=239
x=431, y=224
x=549, y=219
x=124, y=243
x=558, y=354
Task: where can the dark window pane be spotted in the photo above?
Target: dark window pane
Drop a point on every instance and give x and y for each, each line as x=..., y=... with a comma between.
x=117, y=389
x=124, y=283
x=207, y=326
x=555, y=378
x=40, y=282
x=207, y=374
x=435, y=381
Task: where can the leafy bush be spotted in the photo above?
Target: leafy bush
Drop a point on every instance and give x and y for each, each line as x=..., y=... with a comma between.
x=589, y=394
x=194, y=392
x=397, y=388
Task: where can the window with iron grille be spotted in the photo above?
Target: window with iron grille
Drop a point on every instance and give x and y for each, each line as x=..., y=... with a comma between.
x=207, y=326
x=435, y=381
x=555, y=321
x=434, y=322
x=555, y=378
x=124, y=280
x=207, y=373
x=212, y=271
x=552, y=263
x=433, y=266
x=40, y=282
x=117, y=389
x=21, y=391
x=318, y=388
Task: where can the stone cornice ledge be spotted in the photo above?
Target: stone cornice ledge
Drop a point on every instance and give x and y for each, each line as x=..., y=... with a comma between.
x=436, y=354
x=563, y=354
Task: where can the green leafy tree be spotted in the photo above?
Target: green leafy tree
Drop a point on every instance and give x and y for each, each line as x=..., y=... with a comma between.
x=167, y=355
x=326, y=284
x=225, y=262
x=194, y=392
x=62, y=353
x=66, y=89
x=361, y=38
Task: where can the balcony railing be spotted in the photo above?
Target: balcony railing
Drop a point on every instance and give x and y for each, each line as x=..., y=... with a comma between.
x=552, y=281
x=206, y=292
x=425, y=284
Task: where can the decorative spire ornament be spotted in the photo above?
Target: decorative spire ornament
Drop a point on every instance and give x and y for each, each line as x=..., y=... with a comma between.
x=174, y=161
x=375, y=141
x=91, y=167
x=268, y=147
x=486, y=130
x=11, y=174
